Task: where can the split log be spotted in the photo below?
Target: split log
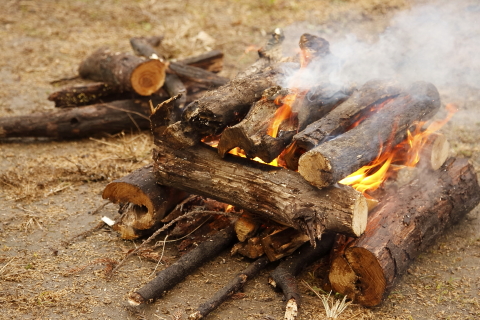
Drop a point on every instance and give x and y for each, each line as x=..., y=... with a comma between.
x=246, y=226
x=340, y=119
x=404, y=224
x=283, y=276
x=252, y=248
x=143, y=202
x=332, y=161
x=272, y=192
x=128, y=72
x=74, y=123
x=169, y=277
x=229, y=289
x=282, y=242
x=211, y=61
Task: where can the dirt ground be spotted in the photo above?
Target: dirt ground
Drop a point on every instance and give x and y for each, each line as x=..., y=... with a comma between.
x=49, y=189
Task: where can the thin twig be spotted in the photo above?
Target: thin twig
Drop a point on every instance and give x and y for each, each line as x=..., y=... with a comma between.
x=161, y=256
x=100, y=208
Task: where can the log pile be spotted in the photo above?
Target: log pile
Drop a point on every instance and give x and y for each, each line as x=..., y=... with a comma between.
x=265, y=157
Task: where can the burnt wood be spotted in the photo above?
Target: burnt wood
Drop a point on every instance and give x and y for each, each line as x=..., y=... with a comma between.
x=332, y=161
x=339, y=119
x=273, y=192
x=175, y=273
x=126, y=71
x=143, y=202
x=406, y=222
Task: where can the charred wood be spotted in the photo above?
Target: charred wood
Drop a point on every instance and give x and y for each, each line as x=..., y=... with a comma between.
x=126, y=71
x=339, y=119
x=143, y=202
x=407, y=220
x=332, y=161
x=175, y=273
x=271, y=192
x=229, y=289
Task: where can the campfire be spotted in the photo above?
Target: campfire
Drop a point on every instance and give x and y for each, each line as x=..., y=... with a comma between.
x=283, y=160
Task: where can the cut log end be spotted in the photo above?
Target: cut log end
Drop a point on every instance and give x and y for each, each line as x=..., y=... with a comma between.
x=359, y=276
x=148, y=77
x=439, y=150
x=316, y=169
x=291, y=310
x=360, y=215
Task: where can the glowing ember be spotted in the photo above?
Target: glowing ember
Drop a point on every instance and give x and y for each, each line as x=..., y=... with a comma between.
x=406, y=154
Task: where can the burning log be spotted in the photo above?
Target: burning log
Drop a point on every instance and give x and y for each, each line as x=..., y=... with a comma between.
x=74, y=123
x=283, y=276
x=128, y=72
x=338, y=120
x=272, y=192
x=229, y=289
x=404, y=224
x=176, y=272
x=143, y=202
x=332, y=161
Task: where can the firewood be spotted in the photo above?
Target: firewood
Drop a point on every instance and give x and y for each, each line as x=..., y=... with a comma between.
x=340, y=119
x=211, y=61
x=269, y=54
x=282, y=242
x=74, y=123
x=332, y=161
x=172, y=275
x=246, y=226
x=229, y=289
x=271, y=192
x=86, y=94
x=406, y=222
x=128, y=72
x=283, y=276
x=252, y=248
x=143, y=202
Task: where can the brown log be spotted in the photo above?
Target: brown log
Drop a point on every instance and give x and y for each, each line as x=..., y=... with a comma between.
x=211, y=61
x=229, y=289
x=172, y=275
x=252, y=248
x=332, y=161
x=202, y=78
x=86, y=94
x=272, y=192
x=246, y=226
x=406, y=222
x=282, y=242
x=128, y=72
x=143, y=202
x=340, y=119
x=269, y=54
x=74, y=123
x=142, y=47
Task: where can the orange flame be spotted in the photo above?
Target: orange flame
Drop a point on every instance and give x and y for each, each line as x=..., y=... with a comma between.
x=283, y=113
x=407, y=153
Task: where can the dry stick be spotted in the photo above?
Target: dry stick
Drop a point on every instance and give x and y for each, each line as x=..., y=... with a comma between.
x=229, y=289
x=149, y=239
x=175, y=273
x=284, y=275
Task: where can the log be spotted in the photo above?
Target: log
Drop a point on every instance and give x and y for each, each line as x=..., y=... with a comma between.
x=143, y=202
x=282, y=242
x=272, y=192
x=169, y=277
x=202, y=78
x=252, y=248
x=340, y=119
x=128, y=72
x=86, y=94
x=246, y=226
x=211, y=61
x=284, y=276
x=269, y=54
x=229, y=289
x=406, y=222
x=74, y=123
x=332, y=161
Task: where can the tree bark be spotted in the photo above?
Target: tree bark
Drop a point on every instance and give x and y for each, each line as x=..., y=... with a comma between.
x=126, y=71
x=74, y=123
x=143, y=202
x=272, y=192
x=211, y=61
x=169, y=277
x=332, y=161
x=407, y=220
x=339, y=119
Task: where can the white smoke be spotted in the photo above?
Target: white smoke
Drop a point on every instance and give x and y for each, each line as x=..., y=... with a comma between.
x=439, y=44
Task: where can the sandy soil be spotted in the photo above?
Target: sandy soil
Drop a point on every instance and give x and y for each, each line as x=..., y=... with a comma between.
x=49, y=189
